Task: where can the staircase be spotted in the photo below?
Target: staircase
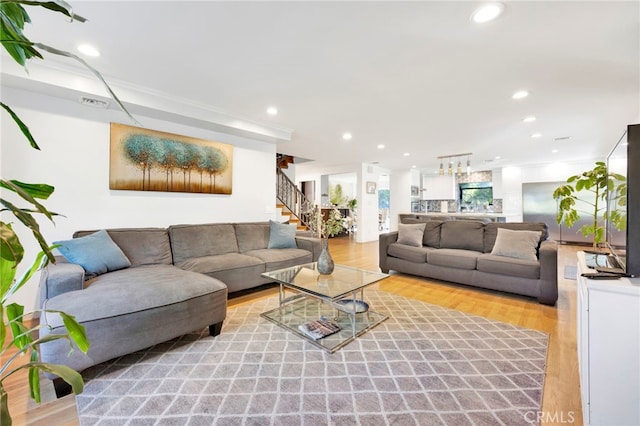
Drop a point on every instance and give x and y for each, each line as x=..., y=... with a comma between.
x=292, y=203
x=288, y=216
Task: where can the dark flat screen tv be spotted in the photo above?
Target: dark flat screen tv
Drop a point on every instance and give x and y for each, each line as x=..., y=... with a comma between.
x=624, y=243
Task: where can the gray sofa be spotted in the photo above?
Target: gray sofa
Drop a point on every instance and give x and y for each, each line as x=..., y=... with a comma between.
x=461, y=252
x=178, y=282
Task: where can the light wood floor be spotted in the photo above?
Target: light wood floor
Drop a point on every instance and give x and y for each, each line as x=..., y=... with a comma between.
x=561, y=392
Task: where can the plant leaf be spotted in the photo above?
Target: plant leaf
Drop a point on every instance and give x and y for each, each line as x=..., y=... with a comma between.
x=67, y=374
x=5, y=417
x=30, y=223
x=93, y=70
x=10, y=247
x=8, y=271
x=14, y=315
x=34, y=378
x=23, y=127
x=55, y=5
x=36, y=190
x=39, y=189
x=76, y=331
x=3, y=327
x=19, y=188
x=39, y=262
x=12, y=19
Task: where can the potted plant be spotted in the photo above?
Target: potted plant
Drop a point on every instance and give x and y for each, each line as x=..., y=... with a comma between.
x=324, y=228
x=13, y=17
x=597, y=182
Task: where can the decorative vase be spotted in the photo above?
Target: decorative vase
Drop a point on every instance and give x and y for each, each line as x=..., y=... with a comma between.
x=325, y=262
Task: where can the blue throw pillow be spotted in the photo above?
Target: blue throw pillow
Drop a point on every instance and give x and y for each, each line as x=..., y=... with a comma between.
x=96, y=253
x=282, y=235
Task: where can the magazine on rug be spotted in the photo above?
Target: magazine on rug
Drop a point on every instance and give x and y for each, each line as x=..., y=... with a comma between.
x=318, y=329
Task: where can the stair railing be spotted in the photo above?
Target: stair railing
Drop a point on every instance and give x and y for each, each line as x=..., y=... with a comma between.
x=293, y=199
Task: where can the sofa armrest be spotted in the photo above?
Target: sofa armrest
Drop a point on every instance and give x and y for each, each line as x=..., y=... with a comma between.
x=384, y=241
x=60, y=277
x=548, y=272
x=314, y=245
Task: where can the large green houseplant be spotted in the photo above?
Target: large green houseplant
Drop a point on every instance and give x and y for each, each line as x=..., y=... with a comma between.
x=598, y=183
x=13, y=17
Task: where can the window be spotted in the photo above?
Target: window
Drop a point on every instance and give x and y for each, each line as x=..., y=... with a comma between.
x=475, y=196
x=383, y=198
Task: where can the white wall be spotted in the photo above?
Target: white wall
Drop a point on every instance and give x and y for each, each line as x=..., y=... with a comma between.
x=399, y=195
x=512, y=179
x=367, y=204
x=75, y=159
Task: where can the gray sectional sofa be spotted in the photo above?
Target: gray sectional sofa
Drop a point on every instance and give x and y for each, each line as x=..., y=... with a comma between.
x=467, y=252
x=177, y=282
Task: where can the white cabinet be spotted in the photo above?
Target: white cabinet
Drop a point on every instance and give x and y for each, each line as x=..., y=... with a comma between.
x=438, y=187
x=608, y=349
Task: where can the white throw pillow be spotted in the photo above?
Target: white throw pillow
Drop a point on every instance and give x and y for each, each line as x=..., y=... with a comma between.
x=516, y=244
x=411, y=234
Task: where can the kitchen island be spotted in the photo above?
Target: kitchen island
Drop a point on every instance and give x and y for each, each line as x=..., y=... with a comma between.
x=483, y=217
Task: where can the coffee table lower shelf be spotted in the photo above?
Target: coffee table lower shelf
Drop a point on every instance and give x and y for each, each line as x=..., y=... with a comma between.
x=305, y=309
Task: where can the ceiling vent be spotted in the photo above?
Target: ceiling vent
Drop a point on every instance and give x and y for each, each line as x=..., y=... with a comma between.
x=95, y=103
x=562, y=139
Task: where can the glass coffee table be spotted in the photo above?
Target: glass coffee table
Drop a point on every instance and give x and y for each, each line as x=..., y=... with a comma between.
x=338, y=297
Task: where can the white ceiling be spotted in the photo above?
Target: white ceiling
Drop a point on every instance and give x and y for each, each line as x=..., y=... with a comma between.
x=418, y=77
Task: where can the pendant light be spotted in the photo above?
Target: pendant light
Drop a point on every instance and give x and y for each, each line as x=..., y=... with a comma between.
x=441, y=170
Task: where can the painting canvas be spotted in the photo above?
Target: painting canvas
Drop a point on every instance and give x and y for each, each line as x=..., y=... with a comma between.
x=149, y=160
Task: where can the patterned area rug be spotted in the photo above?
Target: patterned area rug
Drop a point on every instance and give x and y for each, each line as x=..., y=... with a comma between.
x=426, y=365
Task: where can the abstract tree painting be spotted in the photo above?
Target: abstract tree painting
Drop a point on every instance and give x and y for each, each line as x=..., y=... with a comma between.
x=149, y=160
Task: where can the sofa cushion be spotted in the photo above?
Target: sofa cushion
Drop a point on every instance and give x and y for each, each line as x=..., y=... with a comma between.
x=509, y=266
x=453, y=258
x=431, y=237
x=281, y=235
x=517, y=244
x=155, y=285
x=221, y=262
x=281, y=258
x=411, y=234
x=252, y=235
x=462, y=234
x=96, y=253
x=491, y=231
x=193, y=241
x=142, y=246
x=412, y=254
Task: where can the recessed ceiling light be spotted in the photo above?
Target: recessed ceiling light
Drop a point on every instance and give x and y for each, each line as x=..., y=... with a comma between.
x=487, y=12
x=88, y=50
x=347, y=136
x=529, y=119
x=520, y=94
x=536, y=135
x=554, y=151
x=381, y=146
x=406, y=154
x=272, y=110
x=497, y=157
x=414, y=166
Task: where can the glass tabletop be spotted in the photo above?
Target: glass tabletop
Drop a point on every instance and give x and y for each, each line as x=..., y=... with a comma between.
x=342, y=281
